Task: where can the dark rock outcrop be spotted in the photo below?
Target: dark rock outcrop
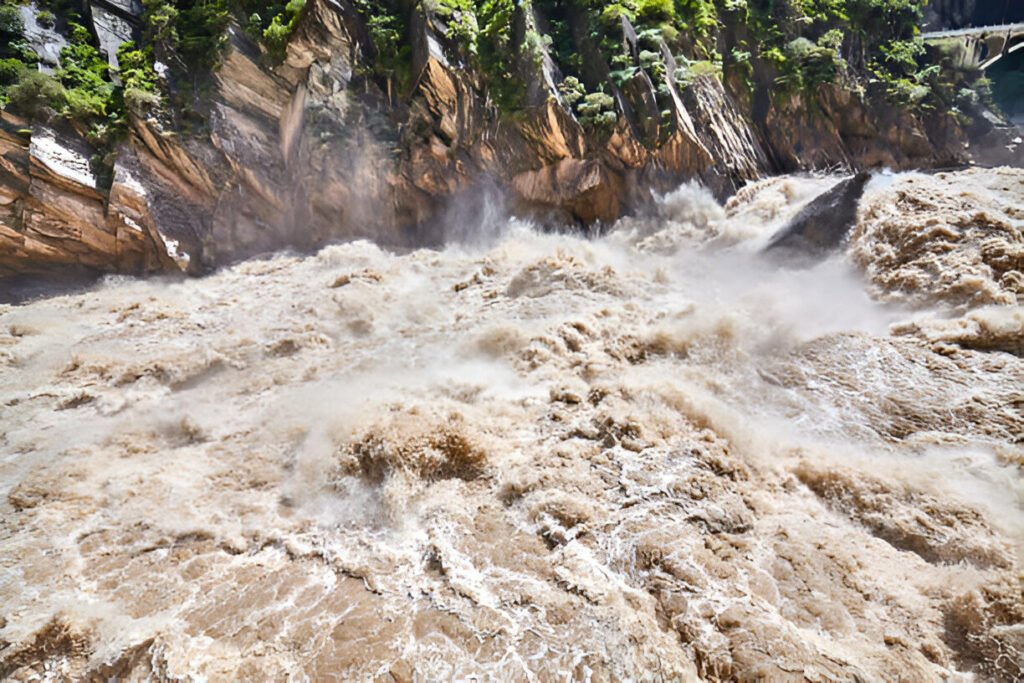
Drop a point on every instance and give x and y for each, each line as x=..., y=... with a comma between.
x=953, y=14
x=823, y=224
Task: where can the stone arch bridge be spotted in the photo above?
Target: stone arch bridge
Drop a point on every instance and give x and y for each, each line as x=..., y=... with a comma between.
x=981, y=46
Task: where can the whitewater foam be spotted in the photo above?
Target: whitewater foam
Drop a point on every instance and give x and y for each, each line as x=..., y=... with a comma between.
x=644, y=456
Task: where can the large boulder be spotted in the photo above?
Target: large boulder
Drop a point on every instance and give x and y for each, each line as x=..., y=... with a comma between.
x=822, y=225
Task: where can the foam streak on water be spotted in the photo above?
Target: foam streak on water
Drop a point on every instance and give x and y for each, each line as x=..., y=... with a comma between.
x=649, y=456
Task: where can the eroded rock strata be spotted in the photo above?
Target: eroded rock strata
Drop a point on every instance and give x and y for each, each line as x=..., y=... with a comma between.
x=313, y=149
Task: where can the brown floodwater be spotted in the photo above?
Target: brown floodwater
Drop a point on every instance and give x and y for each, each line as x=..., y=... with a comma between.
x=652, y=455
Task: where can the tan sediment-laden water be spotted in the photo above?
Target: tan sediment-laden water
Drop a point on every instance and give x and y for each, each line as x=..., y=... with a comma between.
x=651, y=455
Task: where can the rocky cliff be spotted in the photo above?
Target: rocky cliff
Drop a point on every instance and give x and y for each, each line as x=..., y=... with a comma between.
x=317, y=146
x=953, y=14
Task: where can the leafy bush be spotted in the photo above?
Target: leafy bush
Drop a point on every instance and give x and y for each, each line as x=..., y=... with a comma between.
x=824, y=10
x=699, y=15
x=11, y=70
x=12, y=43
x=496, y=51
x=740, y=56
x=461, y=22
x=34, y=93
x=84, y=75
x=190, y=35
x=275, y=38
x=653, y=63
x=622, y=76
x=85, y=105
x=254, y=26
x=902, y=54
x=906, y=91
x=535, y=46
x=276, y=35
x=611, y=16
x=202, y=28
x=11, y=23
x=832, y=39
x=814, y=64
x=597, y=111
x=46, y=19
x=78, y=34
x=138, y=78
x=136, y=67
x=690, y=71
x=572, y=90
x=388, y=31
x=655, y=12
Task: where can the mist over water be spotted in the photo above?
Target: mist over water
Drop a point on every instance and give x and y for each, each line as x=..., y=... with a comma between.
x=649, y=455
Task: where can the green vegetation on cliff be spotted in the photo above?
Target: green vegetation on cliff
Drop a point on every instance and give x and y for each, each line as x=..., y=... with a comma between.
x=80, y=89
x=783, y=47
x=602, y=56
x=804, y=42
x=187, y=36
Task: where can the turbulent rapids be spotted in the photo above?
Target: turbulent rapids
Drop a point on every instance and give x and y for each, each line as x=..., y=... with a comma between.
x=653, y=455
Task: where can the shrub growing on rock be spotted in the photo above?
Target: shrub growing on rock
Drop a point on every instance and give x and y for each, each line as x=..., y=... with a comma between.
x=11, y=23
x=35, y=93
x=597, y=111
x=46, y=19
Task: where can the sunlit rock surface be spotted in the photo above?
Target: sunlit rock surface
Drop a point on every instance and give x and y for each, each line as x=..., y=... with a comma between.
x=53, y=214
x=313, y=150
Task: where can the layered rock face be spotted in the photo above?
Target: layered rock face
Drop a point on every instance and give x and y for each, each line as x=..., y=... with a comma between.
x=52, y=212
x=313, y=150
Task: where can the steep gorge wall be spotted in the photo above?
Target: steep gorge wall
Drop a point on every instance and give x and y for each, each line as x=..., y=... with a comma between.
x=315, y=150
x=953, y=14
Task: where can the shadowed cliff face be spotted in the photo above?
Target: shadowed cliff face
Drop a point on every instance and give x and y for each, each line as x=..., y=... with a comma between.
x=953, y=14
x=314, y=150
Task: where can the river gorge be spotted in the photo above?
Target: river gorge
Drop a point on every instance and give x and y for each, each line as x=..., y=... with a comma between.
x=511, y=340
